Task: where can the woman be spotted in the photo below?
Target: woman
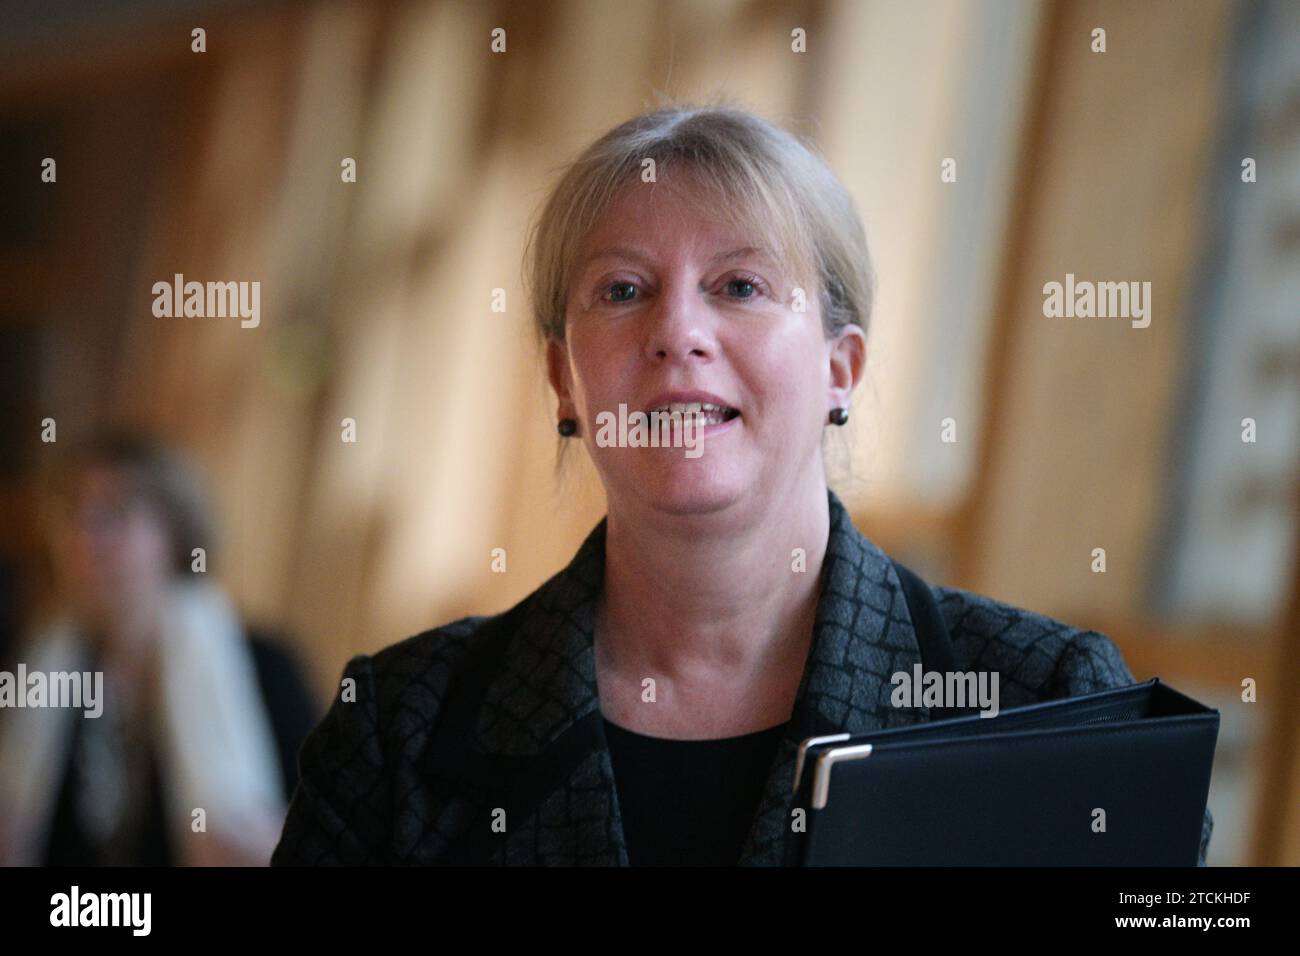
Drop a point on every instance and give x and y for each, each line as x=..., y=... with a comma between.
x=645, y=704
x=176, y=761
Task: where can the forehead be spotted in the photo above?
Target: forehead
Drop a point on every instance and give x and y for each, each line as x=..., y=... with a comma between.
x=645, y=220
x=101, y=480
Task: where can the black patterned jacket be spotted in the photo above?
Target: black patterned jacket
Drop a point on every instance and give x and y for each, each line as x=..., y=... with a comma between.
x=502, y=712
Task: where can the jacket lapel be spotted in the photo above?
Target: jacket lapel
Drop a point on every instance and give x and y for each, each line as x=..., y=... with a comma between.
x=523, y=728
x=524, y=724
x=862, y=635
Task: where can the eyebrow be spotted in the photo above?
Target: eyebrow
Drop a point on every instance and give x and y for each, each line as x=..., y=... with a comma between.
x=639, y=255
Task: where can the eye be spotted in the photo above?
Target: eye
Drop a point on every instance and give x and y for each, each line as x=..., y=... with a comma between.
x=619, y=292
x=745, y=286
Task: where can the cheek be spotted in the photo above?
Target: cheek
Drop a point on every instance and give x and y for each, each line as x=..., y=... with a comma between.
x=600, y=370
x=787, y=371
x=145, y=547
x=83, y=556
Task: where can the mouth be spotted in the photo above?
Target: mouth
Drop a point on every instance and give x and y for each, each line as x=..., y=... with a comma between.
x=704, y=413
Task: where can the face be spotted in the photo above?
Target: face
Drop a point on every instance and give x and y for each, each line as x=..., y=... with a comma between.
x=114, y=547
x=670, y=304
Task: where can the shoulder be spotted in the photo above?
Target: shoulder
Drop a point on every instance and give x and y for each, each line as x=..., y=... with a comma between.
x=1036, y=656
x=431, y=651
x=383, y=712
x=414, y=675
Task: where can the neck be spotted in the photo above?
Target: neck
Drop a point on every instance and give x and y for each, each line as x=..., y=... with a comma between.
x=129, y=630
x=713, y=600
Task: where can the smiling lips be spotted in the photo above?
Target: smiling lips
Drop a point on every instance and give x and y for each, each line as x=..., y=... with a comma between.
x=706, y=413
x=707, y=409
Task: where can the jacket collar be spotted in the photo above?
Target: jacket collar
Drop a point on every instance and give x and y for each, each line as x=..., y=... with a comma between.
x=529, y=725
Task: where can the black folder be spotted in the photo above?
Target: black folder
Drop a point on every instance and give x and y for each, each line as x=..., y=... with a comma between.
x=1115, y=778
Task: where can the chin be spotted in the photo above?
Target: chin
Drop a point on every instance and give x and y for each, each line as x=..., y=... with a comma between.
x=694, y=503
x=686, y=487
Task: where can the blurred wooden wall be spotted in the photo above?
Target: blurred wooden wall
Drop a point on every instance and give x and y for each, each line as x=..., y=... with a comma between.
x=1074, y=450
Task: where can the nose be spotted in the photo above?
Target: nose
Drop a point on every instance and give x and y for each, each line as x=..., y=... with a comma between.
x=678, y=327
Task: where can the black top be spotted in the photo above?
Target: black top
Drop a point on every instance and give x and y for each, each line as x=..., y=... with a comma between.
x=688, y=802
x=140, y=837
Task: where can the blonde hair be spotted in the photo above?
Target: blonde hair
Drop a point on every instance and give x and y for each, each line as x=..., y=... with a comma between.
x=763, y=178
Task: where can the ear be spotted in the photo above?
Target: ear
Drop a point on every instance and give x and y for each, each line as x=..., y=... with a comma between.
x=847, y=354
x=557, y=371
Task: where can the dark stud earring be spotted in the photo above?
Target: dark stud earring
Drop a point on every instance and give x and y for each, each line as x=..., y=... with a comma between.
x=567, y=427
x=839, y=416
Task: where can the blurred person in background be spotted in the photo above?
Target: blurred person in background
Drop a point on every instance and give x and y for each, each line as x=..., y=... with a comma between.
x=195, y=715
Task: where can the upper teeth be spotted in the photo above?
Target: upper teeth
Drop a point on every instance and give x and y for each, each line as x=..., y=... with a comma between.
x=690, y=408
